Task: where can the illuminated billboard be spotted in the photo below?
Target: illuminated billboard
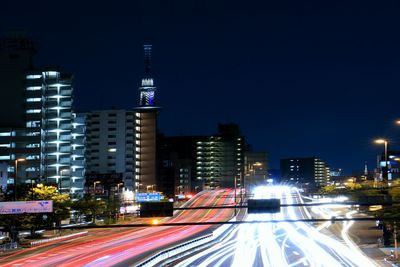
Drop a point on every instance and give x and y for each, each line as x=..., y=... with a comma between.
x=20, y=207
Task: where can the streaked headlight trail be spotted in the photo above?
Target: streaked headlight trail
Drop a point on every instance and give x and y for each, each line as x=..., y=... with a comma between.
x=280, y=244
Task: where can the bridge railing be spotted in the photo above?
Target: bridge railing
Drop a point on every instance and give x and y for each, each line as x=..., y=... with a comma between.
x=187, y=246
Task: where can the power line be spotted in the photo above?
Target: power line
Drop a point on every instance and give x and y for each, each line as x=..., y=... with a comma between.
x=333, y=220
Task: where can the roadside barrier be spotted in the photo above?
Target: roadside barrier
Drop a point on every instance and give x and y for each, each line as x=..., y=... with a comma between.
x=9, y=246
x=186, y=246
x=65, y=237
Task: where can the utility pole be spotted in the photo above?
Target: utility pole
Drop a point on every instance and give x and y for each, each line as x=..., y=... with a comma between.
x=395, y=241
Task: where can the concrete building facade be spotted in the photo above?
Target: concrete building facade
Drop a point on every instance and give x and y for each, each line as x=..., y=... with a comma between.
x=256, y=168
x=310, y=172
x=220, y=158
x=176, y=165
x=110, y=144
x=36, y=135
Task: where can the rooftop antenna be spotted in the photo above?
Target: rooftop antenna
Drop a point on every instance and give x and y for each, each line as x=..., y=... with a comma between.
x=147, y=61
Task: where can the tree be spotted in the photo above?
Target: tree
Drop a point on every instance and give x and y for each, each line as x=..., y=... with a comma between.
x=89, y=205
x=61, y=204
x=328, y=189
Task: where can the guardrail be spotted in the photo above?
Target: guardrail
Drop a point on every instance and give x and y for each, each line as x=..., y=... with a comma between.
x=189, y=245
x=65, y=237
x=9, y=246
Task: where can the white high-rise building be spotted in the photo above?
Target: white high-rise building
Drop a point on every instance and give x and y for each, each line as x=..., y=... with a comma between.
x=36, y=126
x=109, y=146
x=77, y=171
x=45, y=145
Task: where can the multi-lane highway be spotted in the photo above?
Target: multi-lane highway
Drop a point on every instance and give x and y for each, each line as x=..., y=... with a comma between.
x=278, y=244
x=250, y=244
x=122, y=247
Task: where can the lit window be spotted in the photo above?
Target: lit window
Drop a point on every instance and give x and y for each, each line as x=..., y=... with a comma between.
x=33, y=76
x=51, y=74
x=35, y=99
x=33, y=124
x=32, y=145
x=33, y=88
x=29, y=111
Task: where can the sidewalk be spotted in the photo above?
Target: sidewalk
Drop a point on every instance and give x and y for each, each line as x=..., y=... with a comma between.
x=366, y=236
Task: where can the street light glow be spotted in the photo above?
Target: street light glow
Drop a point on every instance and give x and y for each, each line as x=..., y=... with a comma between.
x=380, y=141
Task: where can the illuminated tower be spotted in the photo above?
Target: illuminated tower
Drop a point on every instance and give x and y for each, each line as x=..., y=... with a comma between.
x=147, y=88
x=145, y=130
x=365, y=169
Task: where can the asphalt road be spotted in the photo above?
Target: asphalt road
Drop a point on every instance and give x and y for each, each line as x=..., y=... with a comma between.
x=278, y=244
x=122, y=247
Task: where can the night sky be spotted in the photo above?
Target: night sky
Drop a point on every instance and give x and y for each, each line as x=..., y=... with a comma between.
x=301, y=79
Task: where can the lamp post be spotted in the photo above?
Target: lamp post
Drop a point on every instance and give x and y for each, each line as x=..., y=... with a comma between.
x=14, y=233
x=16, y=176
x=139, y=187
x=150, y=186
x=396, y=255
x=32, y=188
x=94, y=187
x=235, y=185
x=119, y=201
x=241, y=187
x=253, y=176
x=118, y=193
x=118, y=185
x=385, y=174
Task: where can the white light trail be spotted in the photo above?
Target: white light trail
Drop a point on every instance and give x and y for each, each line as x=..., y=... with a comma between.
x=281, y=244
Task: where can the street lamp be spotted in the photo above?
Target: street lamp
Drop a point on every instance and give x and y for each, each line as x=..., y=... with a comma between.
x=252, y=174
x=235, y=185
x=94, y=187
x=385, y=174
x=150, y=186
x=118, y=185
x=396, y=255
x=179, y=189
x=16, y=176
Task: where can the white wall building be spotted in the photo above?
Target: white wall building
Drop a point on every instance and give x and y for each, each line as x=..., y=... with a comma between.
x=110, y=144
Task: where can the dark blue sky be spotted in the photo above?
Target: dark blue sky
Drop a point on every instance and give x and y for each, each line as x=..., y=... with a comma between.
x=318, y=78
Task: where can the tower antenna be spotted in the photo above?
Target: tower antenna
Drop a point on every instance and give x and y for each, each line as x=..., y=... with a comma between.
x=147, y=61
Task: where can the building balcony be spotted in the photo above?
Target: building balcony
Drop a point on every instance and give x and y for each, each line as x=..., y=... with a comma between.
x=66, y=91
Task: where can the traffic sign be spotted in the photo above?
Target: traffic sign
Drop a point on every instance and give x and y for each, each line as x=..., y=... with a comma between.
x=263, y=205
x=146, y=197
